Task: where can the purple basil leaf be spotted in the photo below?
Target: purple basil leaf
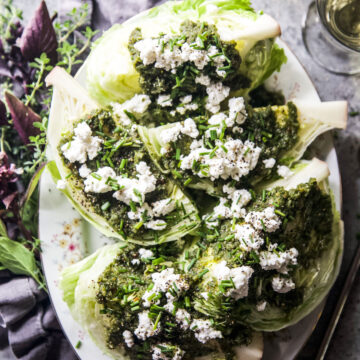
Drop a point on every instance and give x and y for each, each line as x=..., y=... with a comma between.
x=39, y=36
x=3, y=118
x=23, y=117
x=7, y=201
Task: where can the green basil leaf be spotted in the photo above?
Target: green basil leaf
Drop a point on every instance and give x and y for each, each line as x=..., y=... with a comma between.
x=33, y=184
x=3, y=231
x=17, y=258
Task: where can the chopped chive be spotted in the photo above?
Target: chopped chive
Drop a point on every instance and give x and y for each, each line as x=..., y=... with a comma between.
x=177, y=155
x=263, y=225
x=150, y=286
x=135, y=308
x=187, y=302
x=192, y=263
x=253, y=195
x=157, y=308
x=105, y=206
x=203, y=273
x=278, y=212
x=183, y=208
x=170, y=324
x=187, y=181
x=224, y=148
x=123, y=163
x=138, y=194
x=246, y=151
x=264, y=195
x=186, y=254
x=138, y=225
x=132, y=206
x=176, y=174
x=78, y=345
x=213, y=134
x=130, y=115
x=110, y=162
x=202, y=245
x=96, y=176
x=158, y=261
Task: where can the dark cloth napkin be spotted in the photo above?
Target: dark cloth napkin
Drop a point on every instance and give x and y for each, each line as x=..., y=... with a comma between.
x=29, y=329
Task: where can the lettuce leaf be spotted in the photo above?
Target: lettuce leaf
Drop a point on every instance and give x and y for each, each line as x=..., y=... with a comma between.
x=316, y=279
x=314, y=120
x=70, y=103
x=114, y=78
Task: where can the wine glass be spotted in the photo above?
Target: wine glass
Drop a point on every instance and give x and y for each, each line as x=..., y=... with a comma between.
x=331, y=33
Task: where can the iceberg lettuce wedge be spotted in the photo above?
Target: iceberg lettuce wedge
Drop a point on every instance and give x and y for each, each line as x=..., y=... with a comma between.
x=318, y=264
x=65, y=114
x=114, y=78
x=295, y=126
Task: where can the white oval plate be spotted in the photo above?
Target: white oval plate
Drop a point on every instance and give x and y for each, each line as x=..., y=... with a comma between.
x=66, y=238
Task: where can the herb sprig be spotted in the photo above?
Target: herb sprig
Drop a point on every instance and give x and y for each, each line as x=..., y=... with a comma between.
x=27, y=60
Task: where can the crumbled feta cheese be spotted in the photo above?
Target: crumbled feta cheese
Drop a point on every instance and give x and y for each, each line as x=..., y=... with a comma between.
x=284, y=171
x=163, y=207
x=153, y=52
x=261, y=306
x=204, y=331
x=278, y=261
x=145, y=253
x=222, y=211
x=171, y=134
x=156, y=225
x=147, y=48
x=190, y=129
x=164, y=151
x=138, y=104
x=61, y=185
x=240, y=276
x=133, y=189
x=205, y=295
x=135, y=262
x=239, y=198
x=84, y=171
x=248, y=237
x=198, y=57
x=217, y=92
x=237, y=130
x=159, y=354
x=237, y=110
x=183, y=318
x=164, y=100
x=138, y=215
x=128, y=338
x=269, y=163
x=97, y=182
x=145, y=327
x=169, y=306
x=186, y=99
x=237, y=161
x=83, y=145
x=282, y=285
x=203, y=80
x=162, y=282
x=264, y=220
